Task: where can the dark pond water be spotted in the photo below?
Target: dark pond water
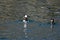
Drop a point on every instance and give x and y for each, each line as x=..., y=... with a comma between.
x=14, y=30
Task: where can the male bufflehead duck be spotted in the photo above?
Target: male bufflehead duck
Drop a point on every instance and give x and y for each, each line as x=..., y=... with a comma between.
x=25, y=18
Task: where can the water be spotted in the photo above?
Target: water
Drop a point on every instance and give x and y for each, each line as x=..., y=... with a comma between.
x=14, y=30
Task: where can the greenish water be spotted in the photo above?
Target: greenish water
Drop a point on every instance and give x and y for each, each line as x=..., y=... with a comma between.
x=14, y=30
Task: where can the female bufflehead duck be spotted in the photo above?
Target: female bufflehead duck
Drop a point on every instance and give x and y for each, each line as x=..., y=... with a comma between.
x=52, y=21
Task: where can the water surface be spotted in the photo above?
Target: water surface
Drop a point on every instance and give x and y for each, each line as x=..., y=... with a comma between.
x=14, y=30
